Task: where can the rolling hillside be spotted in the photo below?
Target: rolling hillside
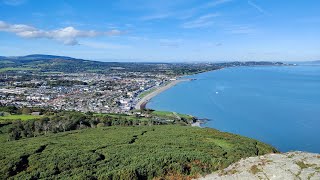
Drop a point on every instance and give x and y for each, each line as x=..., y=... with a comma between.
x=141, y=152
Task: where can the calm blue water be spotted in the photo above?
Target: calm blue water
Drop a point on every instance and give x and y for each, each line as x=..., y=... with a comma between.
x=277, y=105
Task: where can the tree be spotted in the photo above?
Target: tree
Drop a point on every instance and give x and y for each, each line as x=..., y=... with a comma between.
x=9, y=109
x=89, y=113
x=26, y=110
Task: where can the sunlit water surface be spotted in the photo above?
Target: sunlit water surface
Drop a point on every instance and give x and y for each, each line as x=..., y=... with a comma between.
x=277, y=105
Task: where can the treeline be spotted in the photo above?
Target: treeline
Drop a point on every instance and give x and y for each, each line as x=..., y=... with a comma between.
x=67, y=121
x=24, y=110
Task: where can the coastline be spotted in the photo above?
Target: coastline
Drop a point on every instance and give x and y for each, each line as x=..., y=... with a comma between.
x=141, y=104
x=175, y=100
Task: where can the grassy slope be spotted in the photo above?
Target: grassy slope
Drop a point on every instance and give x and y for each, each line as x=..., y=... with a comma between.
x=124, y=153
x=171, y=114
x=22, y=117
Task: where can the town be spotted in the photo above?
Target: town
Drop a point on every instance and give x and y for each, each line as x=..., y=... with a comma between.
x=90, y=86
x=85, y=92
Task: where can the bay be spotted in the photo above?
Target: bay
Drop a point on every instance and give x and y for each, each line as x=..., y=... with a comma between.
x=279, y=105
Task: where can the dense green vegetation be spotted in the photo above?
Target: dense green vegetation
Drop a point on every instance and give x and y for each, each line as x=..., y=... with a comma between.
x=141, y=152
x=25, y=110
x=69, y=144
x=22, y=117
x=25, y=125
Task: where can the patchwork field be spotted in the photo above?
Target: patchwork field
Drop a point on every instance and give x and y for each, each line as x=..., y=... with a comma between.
x=22, y=117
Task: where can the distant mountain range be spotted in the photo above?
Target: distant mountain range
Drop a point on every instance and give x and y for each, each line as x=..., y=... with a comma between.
x=37, y=57
x=42, y=62
x=52, y=63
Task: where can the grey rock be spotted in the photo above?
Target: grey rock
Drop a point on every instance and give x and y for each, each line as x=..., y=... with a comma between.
x=292, y=165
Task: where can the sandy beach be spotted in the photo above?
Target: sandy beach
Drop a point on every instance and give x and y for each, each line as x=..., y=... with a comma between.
x=143, y=101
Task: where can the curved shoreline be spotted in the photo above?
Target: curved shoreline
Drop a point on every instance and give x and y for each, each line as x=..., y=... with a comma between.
x=144, y=101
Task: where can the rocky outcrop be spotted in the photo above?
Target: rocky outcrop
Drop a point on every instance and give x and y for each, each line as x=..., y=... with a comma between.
x=291, y=165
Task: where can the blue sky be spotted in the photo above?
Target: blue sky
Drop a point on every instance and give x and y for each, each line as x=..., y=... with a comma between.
x=162, y=30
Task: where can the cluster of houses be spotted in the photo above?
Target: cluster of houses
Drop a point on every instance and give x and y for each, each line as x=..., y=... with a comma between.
x=115, y=93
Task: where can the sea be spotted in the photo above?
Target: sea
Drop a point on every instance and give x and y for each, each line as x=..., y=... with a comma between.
x=278, y=105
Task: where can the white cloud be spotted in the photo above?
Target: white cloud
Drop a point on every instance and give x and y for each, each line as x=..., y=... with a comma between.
x=113, y=32
x=257, y=7
x=68, y=35
x=202, y=21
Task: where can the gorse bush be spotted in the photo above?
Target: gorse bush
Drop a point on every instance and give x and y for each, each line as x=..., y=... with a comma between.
x=141, y=152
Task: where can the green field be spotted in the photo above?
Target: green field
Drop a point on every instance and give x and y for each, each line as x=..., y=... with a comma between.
x=144, y=152
x=171, y=115
x=22, y=117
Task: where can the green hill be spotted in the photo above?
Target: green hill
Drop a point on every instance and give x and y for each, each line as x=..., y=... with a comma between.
x=139, y=152
x=64, y=64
